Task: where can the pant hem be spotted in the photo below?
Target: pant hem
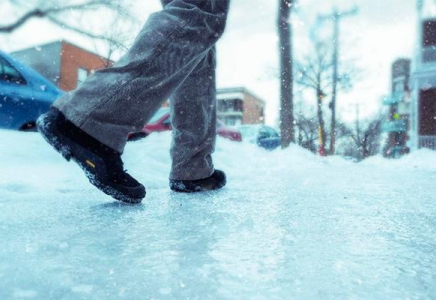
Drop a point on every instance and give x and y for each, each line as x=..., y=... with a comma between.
x=192, y=174
x=92, y=128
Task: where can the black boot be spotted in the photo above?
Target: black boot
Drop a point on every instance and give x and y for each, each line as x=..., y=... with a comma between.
x=102, y=165
x=216, y=181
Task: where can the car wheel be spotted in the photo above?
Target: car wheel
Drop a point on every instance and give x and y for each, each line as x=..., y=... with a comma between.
x=137, y=136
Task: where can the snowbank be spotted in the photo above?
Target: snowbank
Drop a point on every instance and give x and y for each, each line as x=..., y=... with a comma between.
x=423, y=159
x=28, y=164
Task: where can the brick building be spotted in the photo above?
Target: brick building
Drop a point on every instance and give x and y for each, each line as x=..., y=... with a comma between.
x=64, y=64
x=237, y=106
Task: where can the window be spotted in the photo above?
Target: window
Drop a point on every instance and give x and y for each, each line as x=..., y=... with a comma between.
x=238, y=105
x=272, y=132
x=262, y=112
x=429, y=38
x=427, y=112
x=167, y=121
x=82, y=74
x=263, y=132
x=230, y=105
x=9, y=73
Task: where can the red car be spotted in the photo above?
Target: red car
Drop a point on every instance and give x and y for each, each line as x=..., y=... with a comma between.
x=161, y=122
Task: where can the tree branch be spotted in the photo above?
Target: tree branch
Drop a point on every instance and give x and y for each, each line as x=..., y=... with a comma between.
x=31, y=14
x=86, y=33
x=42, y=13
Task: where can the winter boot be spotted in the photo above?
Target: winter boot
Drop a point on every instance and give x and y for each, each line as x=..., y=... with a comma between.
x=102, y=165
x=216, y=181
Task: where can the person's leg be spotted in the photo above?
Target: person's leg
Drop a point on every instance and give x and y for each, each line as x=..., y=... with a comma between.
x=119, y=100
x=193, y=118
x=90, y=125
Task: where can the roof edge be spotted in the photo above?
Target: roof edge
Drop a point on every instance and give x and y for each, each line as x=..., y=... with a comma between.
x=240, y=89
x=61, y=42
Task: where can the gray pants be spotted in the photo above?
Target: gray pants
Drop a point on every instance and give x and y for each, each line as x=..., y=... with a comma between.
x=172, y=57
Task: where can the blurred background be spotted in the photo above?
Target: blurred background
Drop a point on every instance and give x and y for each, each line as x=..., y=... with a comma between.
x=363, y=79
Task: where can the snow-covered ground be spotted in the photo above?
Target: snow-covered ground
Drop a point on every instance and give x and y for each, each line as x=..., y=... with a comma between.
x=289, y=225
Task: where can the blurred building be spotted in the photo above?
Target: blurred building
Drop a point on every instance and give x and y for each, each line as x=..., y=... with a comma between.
x=423, y=117
x=63, y=63
x=237, y=106
x=67, y=65
x=399, y=103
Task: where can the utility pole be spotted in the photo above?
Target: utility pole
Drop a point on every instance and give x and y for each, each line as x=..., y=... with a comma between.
x=336, y=17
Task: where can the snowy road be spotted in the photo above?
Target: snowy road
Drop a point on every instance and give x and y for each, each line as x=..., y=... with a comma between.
x=289, y=225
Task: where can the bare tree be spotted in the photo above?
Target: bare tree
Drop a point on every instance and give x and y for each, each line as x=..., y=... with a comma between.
x=306, y=131
x=63, y=13
x=314, y=72
x=286, y=72
x=364, y=138
x=370, y=137
x=119, y=39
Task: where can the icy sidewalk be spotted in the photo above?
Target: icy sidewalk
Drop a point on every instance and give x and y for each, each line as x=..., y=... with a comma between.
x=289, y=225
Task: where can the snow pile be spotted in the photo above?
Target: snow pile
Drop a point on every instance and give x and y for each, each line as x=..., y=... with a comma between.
x=423, y=159
x=289, y=224
x=29, y=164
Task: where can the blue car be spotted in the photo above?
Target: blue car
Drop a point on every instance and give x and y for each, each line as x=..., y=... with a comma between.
x=24, y=94
x=262, y=135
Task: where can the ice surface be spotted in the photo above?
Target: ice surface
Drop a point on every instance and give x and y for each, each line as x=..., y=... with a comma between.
x=289, y=225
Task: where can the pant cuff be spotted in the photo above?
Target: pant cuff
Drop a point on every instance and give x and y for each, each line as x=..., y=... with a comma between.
x=106, y=134
x=191, y=174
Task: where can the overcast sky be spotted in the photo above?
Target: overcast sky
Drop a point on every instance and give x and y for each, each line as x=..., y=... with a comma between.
x=381, y=32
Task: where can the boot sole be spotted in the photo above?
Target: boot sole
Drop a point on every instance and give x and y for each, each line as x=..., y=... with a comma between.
x=64, y=146
x=175, y=187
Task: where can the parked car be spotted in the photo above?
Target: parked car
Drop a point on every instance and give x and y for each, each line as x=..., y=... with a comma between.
x=261, y=135
x=24, y=94
x=161, y=122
